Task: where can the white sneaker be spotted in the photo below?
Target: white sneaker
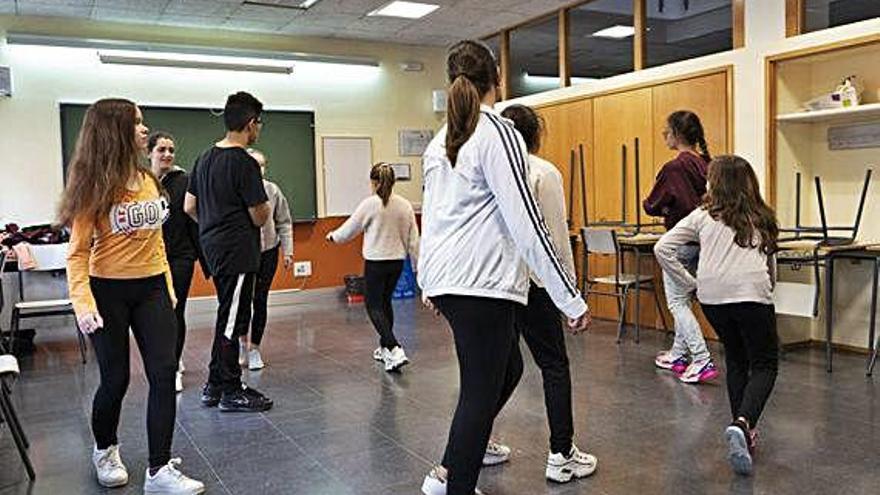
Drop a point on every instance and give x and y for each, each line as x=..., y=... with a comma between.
x=180, y=367
x=379, y=354
x=242, y=354
x=435, y=482
x=255, y=360
x=109, y=467
x=496, y=453
x=395, y=359
x=178, y=381
x=170, y=481
x=562, y=469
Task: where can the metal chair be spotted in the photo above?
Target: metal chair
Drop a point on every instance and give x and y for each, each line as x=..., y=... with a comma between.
x=49, y=258
x=604, y=241
x=8, y=371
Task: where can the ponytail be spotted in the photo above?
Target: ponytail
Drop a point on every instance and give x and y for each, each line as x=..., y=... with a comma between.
x=704, y=148
x=383, y=176
x=463, y=114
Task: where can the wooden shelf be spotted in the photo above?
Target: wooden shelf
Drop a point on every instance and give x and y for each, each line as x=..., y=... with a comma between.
x=868, y=111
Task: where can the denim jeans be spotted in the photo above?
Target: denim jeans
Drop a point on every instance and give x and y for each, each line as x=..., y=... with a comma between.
x=688, y=334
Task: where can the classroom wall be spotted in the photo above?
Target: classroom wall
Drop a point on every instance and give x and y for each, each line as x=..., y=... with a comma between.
x=373, y=103
x=765, y=36
x=346, y=102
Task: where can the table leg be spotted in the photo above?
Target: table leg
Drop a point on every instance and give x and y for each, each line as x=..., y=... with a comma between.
x=872, y=345
x=829, y=309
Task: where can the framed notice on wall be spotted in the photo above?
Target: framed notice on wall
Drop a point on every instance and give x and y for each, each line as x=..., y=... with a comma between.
x=413, y=142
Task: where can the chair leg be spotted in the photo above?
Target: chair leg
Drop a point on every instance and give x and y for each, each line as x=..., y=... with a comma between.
x=13, y=330
x=82, y=342
x=8, y=414
x=621, y=321
x=16, y=423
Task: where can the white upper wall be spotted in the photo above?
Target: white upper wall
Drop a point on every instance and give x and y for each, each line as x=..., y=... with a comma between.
x=347, y=101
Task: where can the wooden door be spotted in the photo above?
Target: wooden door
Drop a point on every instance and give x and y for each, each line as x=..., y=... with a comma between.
x=567, y=127
x=707, y=96
x=620, y=119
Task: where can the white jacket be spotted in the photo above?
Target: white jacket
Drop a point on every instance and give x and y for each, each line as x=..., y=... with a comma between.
x=480, y=221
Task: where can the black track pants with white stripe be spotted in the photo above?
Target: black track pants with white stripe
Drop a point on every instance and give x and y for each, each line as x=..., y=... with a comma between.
x=235, y=293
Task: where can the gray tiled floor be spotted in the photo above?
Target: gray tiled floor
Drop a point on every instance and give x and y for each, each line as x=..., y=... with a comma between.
x=343, y=426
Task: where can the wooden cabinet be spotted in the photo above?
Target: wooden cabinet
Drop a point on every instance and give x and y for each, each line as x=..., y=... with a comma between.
x=606, y=123
x=567, y=127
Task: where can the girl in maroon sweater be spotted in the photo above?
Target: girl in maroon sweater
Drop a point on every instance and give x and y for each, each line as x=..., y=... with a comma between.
x=679, y=189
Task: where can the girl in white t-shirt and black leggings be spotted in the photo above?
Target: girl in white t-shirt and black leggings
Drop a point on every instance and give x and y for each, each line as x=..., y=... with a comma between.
x=390, y=234
x=737, y=233
x=480, y=222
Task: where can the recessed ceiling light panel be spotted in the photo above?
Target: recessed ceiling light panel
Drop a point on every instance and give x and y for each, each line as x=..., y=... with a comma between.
x=407, y=10
x=617, y=32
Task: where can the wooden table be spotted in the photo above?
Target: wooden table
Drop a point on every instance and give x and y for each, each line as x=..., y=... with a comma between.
x=811, y=251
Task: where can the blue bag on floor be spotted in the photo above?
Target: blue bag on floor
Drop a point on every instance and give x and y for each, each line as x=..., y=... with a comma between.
x=406, y=284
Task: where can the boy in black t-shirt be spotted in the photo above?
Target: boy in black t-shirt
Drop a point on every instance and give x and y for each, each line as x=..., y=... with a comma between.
x=227, y=199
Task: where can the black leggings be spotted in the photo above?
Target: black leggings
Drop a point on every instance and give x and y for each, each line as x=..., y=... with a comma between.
x=540, y=324
x=380, y=278
x=268, y=266
x=143, y=305
x=181, y=276
x=751, y=352
x=490, y=366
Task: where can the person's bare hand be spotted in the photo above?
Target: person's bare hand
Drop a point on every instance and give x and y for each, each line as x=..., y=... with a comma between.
x=288, y=261
x=428, y=304
x=581, y=323
x=90, y=322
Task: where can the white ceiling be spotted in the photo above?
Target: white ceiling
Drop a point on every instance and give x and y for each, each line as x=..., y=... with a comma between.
x=454, y=20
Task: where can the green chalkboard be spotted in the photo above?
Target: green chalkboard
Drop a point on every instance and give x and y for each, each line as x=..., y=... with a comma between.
x=287, y=140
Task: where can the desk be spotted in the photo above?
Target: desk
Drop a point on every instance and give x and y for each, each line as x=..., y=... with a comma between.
x=800, y=251
x=640, y=244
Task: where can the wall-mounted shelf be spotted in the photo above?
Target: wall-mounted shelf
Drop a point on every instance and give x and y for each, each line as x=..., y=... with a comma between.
x=860, y=113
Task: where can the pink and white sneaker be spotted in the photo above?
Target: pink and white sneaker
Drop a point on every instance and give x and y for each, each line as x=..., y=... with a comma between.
x=666, y=361
x=699, y=372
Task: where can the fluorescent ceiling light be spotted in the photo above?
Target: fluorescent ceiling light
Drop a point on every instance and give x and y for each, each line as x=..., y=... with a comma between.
x=194, y=61
x=408, y=10
x=299, y=6
x=616, y=32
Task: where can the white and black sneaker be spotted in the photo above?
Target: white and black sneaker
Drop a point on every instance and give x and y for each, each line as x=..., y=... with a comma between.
x=109, y=467
x=395, y=359
x=435, y=482
x=496, y=453
x=738, y=455
x=170, y=481
x=379, y=354
x=577, y=464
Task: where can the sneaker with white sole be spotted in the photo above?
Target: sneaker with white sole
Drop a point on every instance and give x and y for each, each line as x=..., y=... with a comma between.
x=379, y=354
x=577, y=464
x=255, y=360
x=666, y=361
x=180, y=367
x=699, y=372
x=496, y=453
x=738, y=454
x=242, y=353
x=178, y=381
x=395, y=359
x=170, y=481
x=435, y=482
x=109, y=467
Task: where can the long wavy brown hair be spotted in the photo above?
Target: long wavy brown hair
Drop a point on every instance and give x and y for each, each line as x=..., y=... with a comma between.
x=106, y=158
x=734, y=198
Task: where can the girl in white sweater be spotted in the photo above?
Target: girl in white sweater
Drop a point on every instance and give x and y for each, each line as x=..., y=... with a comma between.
x=390, y=234
x=737, y=233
